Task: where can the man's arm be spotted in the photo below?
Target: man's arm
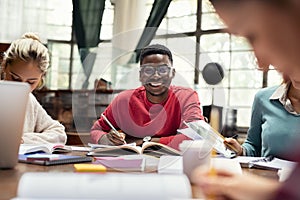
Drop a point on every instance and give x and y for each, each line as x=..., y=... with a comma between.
x=102, y=133
x=190, y=111
x=97, y=132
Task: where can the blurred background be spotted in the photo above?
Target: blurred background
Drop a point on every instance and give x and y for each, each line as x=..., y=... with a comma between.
x=94, y=47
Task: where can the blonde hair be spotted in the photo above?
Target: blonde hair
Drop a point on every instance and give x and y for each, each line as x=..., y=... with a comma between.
x=28, y=48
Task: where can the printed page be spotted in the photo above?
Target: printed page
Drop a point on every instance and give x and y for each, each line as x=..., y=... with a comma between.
x=95, y=146
x=79, y=148
x=29, y=148
x=115, y=151
x=158, y=149
x=190, y=133
x=201, y=130
x=47, y=148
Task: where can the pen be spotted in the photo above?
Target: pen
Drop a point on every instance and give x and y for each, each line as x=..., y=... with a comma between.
x=111, y=126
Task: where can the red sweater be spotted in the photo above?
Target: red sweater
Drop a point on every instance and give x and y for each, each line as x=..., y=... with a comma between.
x=131, y=112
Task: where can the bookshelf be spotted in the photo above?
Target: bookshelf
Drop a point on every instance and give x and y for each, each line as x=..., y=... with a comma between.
x=77, y=110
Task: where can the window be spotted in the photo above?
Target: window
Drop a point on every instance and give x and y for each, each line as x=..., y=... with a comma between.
x=195, y=37
x=242, y=79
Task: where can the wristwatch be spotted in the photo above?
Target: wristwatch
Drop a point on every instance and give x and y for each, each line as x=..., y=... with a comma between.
x=147, y=139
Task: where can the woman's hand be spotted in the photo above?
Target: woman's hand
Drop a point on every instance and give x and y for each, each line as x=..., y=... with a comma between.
x=235, y=144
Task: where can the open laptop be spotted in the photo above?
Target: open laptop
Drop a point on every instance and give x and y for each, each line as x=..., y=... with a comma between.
x=13, y=102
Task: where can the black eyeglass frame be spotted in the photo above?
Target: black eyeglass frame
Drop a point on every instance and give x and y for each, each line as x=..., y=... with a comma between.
x=155, y=69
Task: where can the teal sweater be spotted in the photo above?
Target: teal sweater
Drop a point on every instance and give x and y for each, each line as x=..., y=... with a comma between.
x=273, y=130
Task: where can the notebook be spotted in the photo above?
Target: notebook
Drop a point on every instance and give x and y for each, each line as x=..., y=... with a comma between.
x=52, y=159
x=121, y=164
x=269, y=163
x=13, y=103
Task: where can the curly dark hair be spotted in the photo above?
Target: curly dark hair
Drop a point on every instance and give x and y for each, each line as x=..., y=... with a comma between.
x=155, y=49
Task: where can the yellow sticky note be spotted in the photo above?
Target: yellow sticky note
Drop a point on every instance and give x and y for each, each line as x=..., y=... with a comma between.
x=83, y=167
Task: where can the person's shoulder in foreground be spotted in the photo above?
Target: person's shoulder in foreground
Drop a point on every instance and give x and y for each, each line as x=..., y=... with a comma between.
x=273, y=32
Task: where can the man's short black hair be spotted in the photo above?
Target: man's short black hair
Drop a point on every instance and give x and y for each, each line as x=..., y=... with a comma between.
x=155, y=49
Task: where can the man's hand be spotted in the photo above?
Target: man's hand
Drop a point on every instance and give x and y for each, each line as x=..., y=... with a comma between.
x=113, y=138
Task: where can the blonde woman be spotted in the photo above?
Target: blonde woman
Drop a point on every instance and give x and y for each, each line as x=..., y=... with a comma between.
x=27, y=60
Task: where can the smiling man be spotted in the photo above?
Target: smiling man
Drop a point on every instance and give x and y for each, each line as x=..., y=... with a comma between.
x=152, y=112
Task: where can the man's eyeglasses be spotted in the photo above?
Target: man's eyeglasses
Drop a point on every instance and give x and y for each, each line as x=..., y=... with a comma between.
x=149, y=70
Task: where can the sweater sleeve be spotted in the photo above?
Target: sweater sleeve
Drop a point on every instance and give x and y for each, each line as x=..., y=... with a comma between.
x=190, y=111
x=39, y=127
x=100, y=127
x=252, y=145
x=96, y=132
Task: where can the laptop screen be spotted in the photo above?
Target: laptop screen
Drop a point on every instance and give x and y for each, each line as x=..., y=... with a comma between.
x=13, y=102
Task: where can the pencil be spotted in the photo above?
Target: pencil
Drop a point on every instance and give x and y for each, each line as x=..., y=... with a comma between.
x=212, y=171
x=225, y=143
x=111, y=126
x=231, y=147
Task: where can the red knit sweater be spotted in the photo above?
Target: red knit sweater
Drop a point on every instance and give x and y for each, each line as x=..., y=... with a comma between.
x=131, y=112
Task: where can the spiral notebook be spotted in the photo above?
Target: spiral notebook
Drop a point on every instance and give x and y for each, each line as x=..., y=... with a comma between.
x=52, y=159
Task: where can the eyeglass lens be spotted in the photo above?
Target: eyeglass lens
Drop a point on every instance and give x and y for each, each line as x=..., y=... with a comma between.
x=150, y=70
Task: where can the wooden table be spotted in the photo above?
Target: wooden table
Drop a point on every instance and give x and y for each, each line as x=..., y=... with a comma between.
x=9, y=178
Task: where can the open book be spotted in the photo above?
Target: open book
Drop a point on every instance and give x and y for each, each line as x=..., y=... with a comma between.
x=68, y=185
x=200, y=130
x=148, y=148
x=45, y=148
